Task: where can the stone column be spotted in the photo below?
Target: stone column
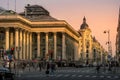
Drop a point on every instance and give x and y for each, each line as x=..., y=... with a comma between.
x=76, y=56
x=38, y=44
x=27, y=45
x=55, y=46
x=21, y=42
x=24, y=44
x=7, y=39
x=46, y=46
x=63, y=47
x=16, y=42
x=11, y=40
x=31, y=46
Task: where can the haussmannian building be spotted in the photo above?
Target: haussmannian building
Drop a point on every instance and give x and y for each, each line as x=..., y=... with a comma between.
x=90, y=49
x=34, y=33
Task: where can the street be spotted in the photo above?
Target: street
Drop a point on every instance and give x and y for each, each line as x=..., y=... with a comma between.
x=69, y=73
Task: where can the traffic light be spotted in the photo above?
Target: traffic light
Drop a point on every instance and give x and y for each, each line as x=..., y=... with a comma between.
x=12, y=51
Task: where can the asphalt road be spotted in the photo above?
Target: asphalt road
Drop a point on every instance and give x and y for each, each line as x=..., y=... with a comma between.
x=69, y=73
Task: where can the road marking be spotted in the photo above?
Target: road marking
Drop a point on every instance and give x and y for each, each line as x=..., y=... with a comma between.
x=102, y=76
x=59, y=75
x=73, y=75
x=80, y=75
x=108, y=76
x=66, y=75
x=94, y=76
x=87, y=76
x=87, y=71
x=116, y=77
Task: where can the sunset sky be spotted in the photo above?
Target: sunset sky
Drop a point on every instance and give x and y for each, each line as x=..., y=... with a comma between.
x=100, y=14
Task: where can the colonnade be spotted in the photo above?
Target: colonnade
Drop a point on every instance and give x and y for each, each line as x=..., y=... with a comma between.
x=21, y=40
x=55, y=45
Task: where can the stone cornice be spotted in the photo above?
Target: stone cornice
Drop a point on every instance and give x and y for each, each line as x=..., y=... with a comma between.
x=17, y=20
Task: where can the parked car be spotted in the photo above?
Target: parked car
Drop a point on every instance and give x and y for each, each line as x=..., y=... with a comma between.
x=5, y=74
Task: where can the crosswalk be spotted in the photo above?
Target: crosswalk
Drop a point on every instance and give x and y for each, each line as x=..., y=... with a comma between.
x=75, y=76
x=83, y=71
x=72, y=73
x=92, y=70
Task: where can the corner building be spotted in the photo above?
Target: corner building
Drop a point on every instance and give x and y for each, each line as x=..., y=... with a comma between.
x=35, y=34
x=90, y=50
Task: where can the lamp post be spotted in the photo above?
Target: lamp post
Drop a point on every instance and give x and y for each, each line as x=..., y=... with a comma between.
x=108, y=42
x=109, y=48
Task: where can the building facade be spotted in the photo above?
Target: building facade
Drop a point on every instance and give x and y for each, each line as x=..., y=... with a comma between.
x=90, y=49
x=35, y=34
x=118, y=39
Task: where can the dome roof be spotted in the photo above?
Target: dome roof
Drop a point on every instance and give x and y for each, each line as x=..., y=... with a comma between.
x=84, y=24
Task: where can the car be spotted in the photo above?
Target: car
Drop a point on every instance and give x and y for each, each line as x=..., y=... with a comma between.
x=5, y=74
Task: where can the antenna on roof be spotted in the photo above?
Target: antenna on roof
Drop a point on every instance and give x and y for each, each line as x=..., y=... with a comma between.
x=8, y=4
x=15, y=5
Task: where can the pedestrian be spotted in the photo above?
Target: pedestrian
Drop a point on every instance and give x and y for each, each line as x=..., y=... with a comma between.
x=97, y=68
x=52, y=67
x=47, y=69
x=39, y=65
x=23, y=66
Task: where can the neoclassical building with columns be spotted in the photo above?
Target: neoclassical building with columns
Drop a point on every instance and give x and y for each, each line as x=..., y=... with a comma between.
x=34, y=33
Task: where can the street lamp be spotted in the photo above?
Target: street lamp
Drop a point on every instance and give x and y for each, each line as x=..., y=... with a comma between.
x=108, y=42
x=109, y=47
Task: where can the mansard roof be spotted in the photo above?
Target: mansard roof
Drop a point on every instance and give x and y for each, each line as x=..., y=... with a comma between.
x=37, y=13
